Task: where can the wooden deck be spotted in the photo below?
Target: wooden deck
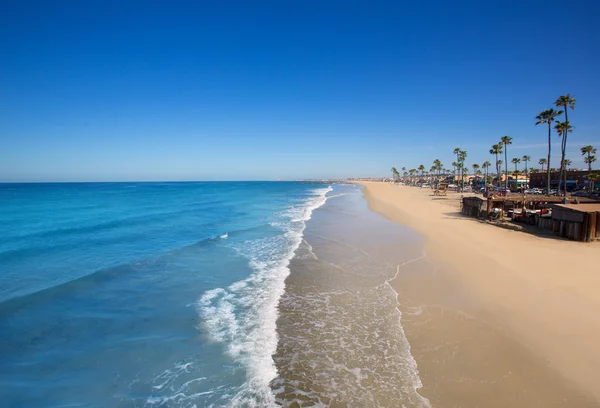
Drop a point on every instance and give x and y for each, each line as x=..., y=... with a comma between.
x=579, y=222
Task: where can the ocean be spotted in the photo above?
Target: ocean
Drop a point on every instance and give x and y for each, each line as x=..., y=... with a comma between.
x=235, y=294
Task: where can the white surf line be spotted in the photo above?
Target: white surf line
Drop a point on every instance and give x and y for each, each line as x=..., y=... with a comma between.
x=226, y=321
x=419, y=384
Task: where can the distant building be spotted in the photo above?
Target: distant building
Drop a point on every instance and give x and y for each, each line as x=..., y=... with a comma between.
x=575, y=179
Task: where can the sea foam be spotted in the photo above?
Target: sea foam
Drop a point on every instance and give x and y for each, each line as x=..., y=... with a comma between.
x=243, y=316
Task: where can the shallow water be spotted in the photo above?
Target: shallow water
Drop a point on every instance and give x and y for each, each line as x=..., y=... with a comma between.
x=341, y=338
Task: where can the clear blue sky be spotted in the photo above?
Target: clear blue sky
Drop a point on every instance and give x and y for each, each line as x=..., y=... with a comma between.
x=217, y=90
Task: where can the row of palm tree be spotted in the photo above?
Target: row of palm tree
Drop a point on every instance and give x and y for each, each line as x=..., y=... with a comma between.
x=438, y=169
x=549, y=117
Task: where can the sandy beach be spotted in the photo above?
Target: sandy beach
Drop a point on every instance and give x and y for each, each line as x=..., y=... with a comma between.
x=511, y=319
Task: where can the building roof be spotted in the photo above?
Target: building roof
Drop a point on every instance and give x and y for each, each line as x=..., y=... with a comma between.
x=587, y=208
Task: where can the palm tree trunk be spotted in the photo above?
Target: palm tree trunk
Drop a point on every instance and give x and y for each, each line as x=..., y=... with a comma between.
x=497, y=170
x=589, y=171
x=564, y=147
x=505, y=169
x=549, y=149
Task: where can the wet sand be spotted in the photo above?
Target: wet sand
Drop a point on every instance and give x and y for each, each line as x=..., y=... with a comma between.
x=495, y=318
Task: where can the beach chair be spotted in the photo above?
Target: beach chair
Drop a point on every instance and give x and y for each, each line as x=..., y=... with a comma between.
x=441, y=190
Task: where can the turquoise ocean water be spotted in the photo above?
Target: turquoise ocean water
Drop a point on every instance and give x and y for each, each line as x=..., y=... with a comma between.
x=174, y=295
x=105, y=288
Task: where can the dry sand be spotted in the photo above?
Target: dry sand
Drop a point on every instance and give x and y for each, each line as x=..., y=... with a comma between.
x=513, y=318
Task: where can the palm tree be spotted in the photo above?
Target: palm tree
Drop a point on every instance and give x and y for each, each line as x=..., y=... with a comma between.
x=590, y=151
x=457, y=151
x=566, y=164
x=421, y=168
x=548, y=117
x=506, y=140
x=526, y=159
x=462, y=155
x=542, y=163
x=515, y=174
x=394, y=172
x=485, y=165
x=562, y=128
x=516, y=162
x=500, y=162
x=438, y=165
x=475, y=169
x=565, y=102
x=592, y=178
x=497, y=149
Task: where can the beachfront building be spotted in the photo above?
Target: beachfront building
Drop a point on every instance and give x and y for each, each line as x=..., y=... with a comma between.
x=513, y=183
x=576, y=179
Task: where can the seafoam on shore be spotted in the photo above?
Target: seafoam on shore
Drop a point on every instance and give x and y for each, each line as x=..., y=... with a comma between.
x=341, y=338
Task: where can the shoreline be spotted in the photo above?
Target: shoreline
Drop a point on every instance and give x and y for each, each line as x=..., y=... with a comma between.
x=535, y=296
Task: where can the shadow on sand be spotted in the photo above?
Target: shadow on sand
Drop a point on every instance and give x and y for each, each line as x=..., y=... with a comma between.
x=509, y=225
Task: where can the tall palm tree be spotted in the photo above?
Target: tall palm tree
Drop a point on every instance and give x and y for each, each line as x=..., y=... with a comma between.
x=562, y=128
x=462, y=155
x=438, y=165
x=394, y=172
x=565, y=102
x=486, y=165
x=497, y=149
x=542, y=163
x=506, y=140
x=516, y=162
x=457, y=151
x=526, y=159
x=421, y=168
x=547, y=117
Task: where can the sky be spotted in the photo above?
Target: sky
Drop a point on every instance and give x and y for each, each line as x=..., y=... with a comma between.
x=246, y=90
